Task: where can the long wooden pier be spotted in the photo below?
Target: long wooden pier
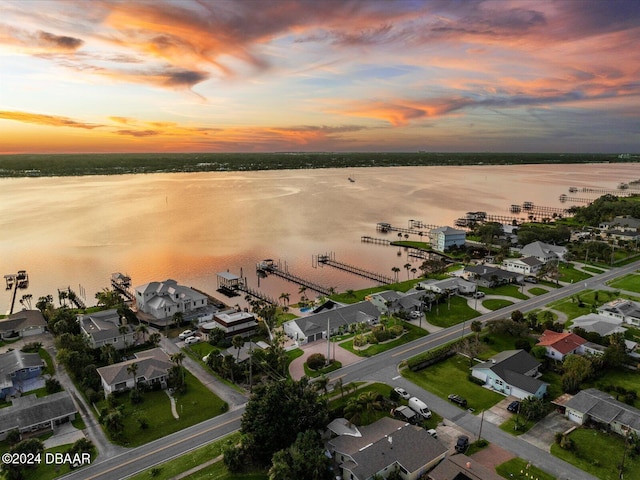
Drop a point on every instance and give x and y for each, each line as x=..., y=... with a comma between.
x=567, y=198
x=604, y=191
x=330, y=260
x=387, y=227
x=121, y=283
x=268, y=267
x=229, y=284
x=377, y=241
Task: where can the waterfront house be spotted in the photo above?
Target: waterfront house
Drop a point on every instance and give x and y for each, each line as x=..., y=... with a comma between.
x=625, y=311
x=601, y=408
x=524, y=266
x=461, y=467
x=314, y=327
x=29, y=414
x=560, y=344
x=512, y=372
x=163, y=299
x=20, y=372
x=384, y=447
x=22, y=324
x=544, y=252
x=443, y=238
x=152, y=370
x=621, y=223
x=487, y=276
x=392, y=301
x=105, y=328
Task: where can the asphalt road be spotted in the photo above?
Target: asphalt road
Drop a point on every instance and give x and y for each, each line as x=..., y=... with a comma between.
x=381, y=368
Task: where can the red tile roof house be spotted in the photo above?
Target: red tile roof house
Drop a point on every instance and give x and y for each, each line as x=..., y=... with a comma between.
x=559, y=345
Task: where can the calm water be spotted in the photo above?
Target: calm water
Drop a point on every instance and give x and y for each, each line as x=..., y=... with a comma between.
x=77, y=231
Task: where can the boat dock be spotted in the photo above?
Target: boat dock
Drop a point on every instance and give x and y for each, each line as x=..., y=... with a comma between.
x=387, y=227
x=229, y=284
x=330, y=260
x=67, y=293
x=121, y=283
x=268, y=267
x=604, y=191
x=376, y=241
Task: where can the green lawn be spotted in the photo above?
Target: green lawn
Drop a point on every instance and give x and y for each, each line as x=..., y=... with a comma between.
x=630, y=282
x=538, y=291
x=599, y=454
x=443, y=316
x=627, y=379
x=451, y=376
x=50, y=369
x=496, y=343
x=595, y=270
x=218, y=471
x=411, y=334
x=496, y=303
x=359, y=295
x=523, y=425
x=568, y=273
x=517, y=469
x=195, y=406
x=505, y=290
x=50, y=471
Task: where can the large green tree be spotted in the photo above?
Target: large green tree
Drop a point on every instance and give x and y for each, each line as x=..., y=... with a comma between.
x=304, y=459
x=276, y=413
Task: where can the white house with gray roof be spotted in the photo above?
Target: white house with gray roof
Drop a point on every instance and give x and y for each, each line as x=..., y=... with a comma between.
x=525, y=266
x=625, y=311
x=544, y=252
x=164, y=299
x=152, y=369
x=512, y=372
x=105, y=328
x=314, y=327
x=384, y=447
x=449, y=285
x=23, y=324
x=593, y=405
x=392, y=301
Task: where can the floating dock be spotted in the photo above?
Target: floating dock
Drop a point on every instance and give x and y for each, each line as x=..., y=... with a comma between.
x=268, y=267
x=330, y=260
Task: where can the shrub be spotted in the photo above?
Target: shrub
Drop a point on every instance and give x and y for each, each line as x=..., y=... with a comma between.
x=316, y=361
x=475, y=380
x=432, y=356
x=396, y=330
x=359, y=341
x=522, y=344
x=52, y=385
x=135, y=396
x=567, y=443
x=382, y=335
x=372, y=339
x=32, y=347
x=395, y=396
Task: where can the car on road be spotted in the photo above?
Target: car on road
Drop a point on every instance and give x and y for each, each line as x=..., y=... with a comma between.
x=458, y=400
x=478, y=295
x=402, y=392
x=514, y=406
x=462, y=444
x=191, y=340
x=186, y=334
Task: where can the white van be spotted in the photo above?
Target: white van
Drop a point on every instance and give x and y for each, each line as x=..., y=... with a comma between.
x=419, y=407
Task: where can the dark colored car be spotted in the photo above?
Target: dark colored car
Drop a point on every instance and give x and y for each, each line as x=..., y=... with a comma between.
x=514, y=406
x=458, y=400
x=462, y=444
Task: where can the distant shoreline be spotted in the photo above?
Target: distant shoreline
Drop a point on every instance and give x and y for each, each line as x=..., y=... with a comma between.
x=64, y=165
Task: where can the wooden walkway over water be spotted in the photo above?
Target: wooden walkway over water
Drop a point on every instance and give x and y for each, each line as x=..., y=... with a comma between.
x=330, y=260
x=229, y=284
x=268, y=267
x=121, y=283
x=376, y=241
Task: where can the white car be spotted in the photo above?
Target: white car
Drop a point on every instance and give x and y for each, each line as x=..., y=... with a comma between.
x=403, y=393
x=191, y=340
x=415, y=314
x=186, y=334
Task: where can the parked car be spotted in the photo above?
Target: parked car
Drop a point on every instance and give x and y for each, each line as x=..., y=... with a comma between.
x=478, y=295
x=462, y=444
x=458, y=400
x=186, y=334
x=530, y=279
x=191, y=340
x=514, y=406
x=402, y=392
x=415, y=315
x=432, y=432
x=419, y=407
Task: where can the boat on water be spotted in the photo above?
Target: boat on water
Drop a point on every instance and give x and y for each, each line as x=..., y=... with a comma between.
x=527, y=205
x=351, y=179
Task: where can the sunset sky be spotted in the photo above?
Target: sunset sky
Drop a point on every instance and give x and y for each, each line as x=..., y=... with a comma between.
x=319, y=75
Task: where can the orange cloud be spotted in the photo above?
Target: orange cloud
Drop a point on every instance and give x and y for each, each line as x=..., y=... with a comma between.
x=50, y=120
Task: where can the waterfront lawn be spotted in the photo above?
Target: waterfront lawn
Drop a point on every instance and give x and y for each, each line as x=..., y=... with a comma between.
x=442, y=316
x=599, y=454
x=630, y=282
x=519, y=469
x=452, y=376
x=496, y=303
x=354, y=296
x=568, y=273
x=412, y=333
x=196, y=405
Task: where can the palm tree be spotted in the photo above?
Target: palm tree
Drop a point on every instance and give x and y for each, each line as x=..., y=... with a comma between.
x=414, y=271
x=476, y=327
x=177, y=358
x=339, y=384
x=237, y=341
x=369, y=401
x=133, y=369
x=353, y=410
x=321, y=384
x=108, y=353
x=407, y=266
x=142, y=330
x=395, y=271
x=285, y=298
x=123, y=330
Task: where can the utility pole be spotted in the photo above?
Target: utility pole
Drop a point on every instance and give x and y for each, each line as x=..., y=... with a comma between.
x=481, y=422
x=328, y=341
